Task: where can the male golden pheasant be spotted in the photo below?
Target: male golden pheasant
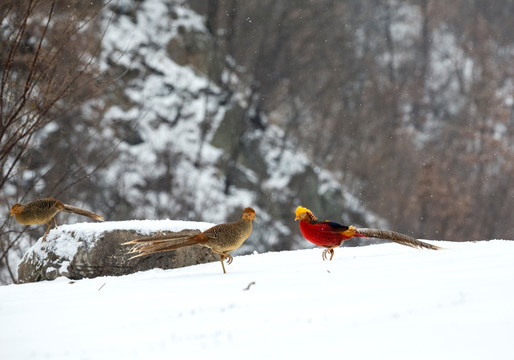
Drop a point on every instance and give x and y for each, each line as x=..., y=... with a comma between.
x=221, y=239
x=330, y=234
x=43, y=211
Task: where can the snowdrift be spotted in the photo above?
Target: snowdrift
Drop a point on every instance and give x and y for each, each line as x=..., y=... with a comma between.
x=377, y=301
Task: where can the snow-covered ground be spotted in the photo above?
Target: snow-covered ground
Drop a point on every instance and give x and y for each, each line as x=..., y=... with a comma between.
x=376, y=302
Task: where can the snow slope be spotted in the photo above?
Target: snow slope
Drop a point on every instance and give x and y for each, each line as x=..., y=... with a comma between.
x=378, y=301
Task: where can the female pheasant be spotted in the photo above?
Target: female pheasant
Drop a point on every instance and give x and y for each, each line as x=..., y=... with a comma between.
x=43, y=211
x=330, y=234
x=221, y=239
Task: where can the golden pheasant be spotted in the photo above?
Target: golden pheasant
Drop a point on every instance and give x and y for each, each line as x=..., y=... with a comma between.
x=330, y=234
x=221, y=239
x=43, y=211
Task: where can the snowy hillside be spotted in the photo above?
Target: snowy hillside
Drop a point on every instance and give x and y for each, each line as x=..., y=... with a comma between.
x=194, y=147
x=376, y=302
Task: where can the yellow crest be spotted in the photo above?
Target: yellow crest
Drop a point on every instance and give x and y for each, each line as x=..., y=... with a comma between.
x=301, y=210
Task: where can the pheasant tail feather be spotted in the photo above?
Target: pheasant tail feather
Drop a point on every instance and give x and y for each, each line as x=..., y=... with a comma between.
x=397, y=238
x=83, y=212
x=163, y=238
x=160, y=244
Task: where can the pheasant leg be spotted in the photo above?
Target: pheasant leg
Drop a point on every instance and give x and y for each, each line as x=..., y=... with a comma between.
x=49, y=227
x=224, y=256
x=326, y=252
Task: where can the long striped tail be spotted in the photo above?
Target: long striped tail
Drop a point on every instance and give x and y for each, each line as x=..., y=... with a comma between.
x=161, y=243
x=396, y=237
x=79, y=211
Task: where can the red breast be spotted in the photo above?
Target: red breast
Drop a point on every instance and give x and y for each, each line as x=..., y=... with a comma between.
x=321, y=234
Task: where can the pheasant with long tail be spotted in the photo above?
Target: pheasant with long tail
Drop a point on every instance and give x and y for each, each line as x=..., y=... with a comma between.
x=43, y=211
x=221, y=239
x=330, y=235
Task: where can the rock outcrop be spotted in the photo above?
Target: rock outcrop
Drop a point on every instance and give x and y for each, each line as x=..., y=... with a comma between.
x=88, y=250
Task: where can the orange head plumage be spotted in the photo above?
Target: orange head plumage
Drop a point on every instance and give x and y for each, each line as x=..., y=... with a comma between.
x=249, y=214
x=17, y=209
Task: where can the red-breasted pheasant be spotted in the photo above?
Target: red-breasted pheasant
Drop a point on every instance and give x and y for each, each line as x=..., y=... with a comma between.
x=330, y=234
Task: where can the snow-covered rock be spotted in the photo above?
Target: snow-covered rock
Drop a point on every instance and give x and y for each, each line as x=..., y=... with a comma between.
x=88, y=250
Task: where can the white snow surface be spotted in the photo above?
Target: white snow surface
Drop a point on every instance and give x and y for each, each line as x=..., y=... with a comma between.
x=373, y=302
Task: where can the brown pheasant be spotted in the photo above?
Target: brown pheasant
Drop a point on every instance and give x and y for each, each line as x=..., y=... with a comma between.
x=221, y=239
x=43, y=211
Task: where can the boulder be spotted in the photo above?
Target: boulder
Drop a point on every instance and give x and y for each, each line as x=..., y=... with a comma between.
x=88, y=250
